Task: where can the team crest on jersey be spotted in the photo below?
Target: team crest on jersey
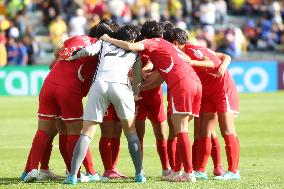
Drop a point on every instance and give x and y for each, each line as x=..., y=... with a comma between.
x=197, y=53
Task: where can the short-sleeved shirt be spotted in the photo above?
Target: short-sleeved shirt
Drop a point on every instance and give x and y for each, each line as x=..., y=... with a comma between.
x=65, y=73
x=210, y=84
x=115, y=62
x=165, y=57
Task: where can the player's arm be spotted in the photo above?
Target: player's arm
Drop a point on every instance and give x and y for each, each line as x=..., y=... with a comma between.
x=226, y=59
x=137, y=78
x=56, y=55
x=90, y=50
x=147, y=69
x=138, y=46
x=154, y=80
x=205, y=62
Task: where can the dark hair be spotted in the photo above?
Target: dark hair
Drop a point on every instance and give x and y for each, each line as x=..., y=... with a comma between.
x=128, y=33
x=180, y=36
x=105, y=26
x=168, y=28
x=151, y=29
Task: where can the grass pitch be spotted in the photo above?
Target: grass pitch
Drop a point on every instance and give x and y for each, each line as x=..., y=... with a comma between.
x=260, y=127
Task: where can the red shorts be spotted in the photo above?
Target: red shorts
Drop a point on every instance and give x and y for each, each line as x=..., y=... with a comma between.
x=57, y=101
x=154, y=110
x=185, y=97
x=110, y=114
x=223, y=100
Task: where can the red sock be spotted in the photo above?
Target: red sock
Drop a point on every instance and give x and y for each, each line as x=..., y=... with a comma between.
x=46, y=156
x=161, y=145
x=184, y=146
x=115, y=148
x=106, y=152
x=204, y=147
x=178, y=161
x=63, y=143
x=216, y=152
x=27, y=168
x=171, y=150
x=88, y=162
x=38, y=147
x=239, y=149
x=194, y=154
x=232, y=152
x=72, y=140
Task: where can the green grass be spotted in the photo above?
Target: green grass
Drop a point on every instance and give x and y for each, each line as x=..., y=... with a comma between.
x=260, y=127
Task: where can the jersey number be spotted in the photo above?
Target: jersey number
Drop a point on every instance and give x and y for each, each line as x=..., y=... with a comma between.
x=115, y=52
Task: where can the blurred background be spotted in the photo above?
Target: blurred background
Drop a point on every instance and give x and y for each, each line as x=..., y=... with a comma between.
x=250, y=31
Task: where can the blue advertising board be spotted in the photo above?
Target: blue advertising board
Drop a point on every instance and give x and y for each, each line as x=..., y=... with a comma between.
x=255, y=76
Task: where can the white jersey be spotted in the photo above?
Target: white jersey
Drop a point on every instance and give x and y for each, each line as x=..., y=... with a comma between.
x=115, y=62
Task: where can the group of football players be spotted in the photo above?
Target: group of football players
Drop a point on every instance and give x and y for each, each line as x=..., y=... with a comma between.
x=121, y=69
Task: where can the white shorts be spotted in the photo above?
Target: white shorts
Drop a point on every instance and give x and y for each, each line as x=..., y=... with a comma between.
x=103, y=93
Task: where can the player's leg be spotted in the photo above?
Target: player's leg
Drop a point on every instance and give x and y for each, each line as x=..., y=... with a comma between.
x=227, y=109
x=44, y=172
x=122, y=99
x=105, y=145
x=197, y=130
x=227, y=128
x=96, y=106
x=39, y=145
x=186, y=99
x=171, y=145
x=47, y=111
x=216, y=155
x=159, y=129
x=180, y=123
x=157, y=116
x=141, y=116
x=115, y=145
x=208, y=123
x=63, y=141
x=109, y=144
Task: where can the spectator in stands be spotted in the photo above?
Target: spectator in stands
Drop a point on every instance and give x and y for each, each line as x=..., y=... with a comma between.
x=57, y=30
x=20, y=23
x=207, y=13
x=116, y=8
x=3, y=51
x=155, y=10
x=78, y=23
x=221, y=11
x=175, y=10
x=229, y=46
x=13, y=31
x=12, y=51
x=22, y=58
x=251, y=34
x=32, y=49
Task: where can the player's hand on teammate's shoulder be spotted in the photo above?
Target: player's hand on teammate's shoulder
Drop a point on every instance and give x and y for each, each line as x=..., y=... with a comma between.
x=104, y=37
x=221, y=70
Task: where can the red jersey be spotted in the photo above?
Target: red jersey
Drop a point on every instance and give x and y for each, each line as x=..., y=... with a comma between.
x=165, y=57
x=209, y=82
x=147, y=96
x=72, y=74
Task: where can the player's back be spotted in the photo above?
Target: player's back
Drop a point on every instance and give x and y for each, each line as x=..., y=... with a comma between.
x=167, y=61
x=115, y=63
x=209, y=82
x=65, y=73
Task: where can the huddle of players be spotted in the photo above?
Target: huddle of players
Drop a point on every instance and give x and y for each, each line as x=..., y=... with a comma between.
x=198, y=84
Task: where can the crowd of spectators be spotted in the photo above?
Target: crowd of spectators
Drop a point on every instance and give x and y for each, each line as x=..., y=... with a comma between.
x=258, y=24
